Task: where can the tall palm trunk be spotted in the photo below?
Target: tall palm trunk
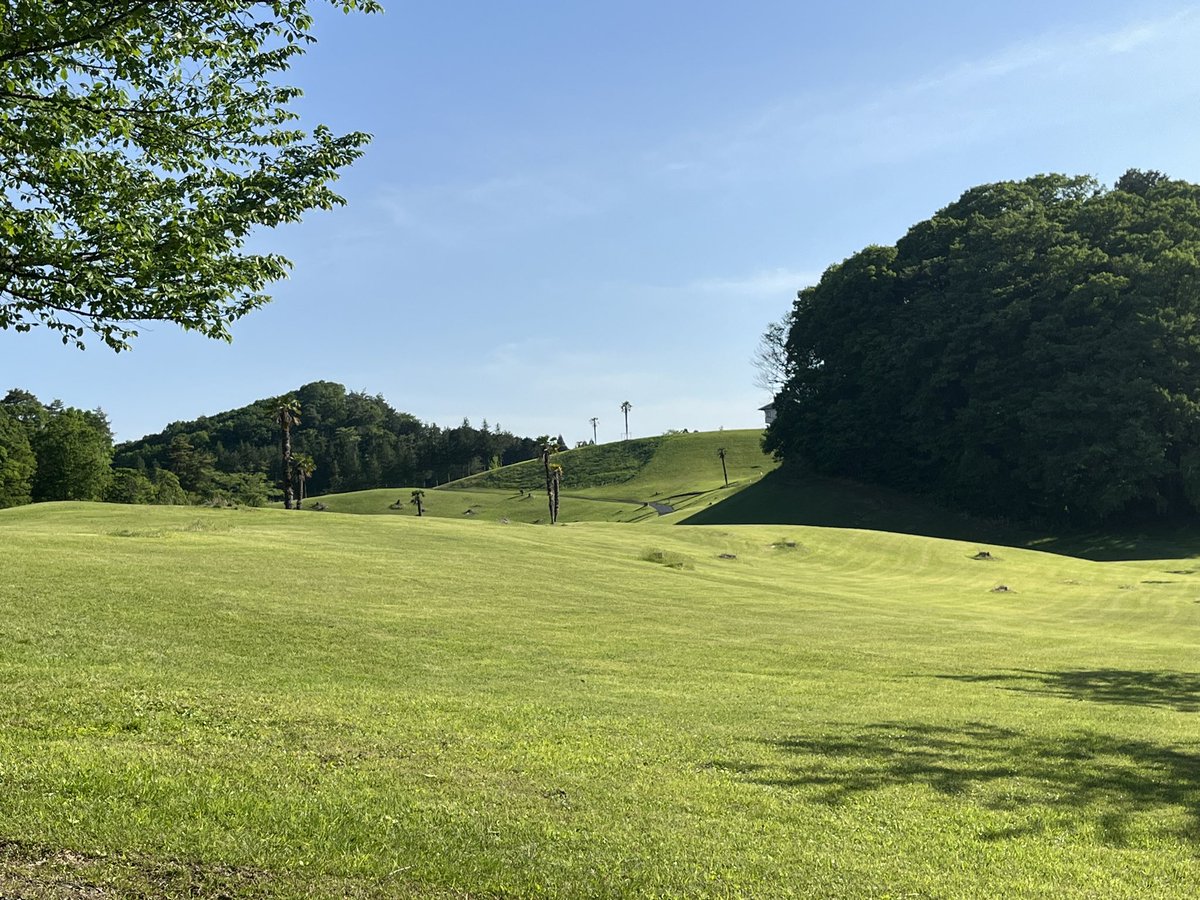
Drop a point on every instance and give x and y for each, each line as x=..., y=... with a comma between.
x=549, y=480
x=285, y=450
x=554, y=496
x=289, y=415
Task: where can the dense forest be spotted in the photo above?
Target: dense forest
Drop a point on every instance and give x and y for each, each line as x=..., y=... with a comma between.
x=350, y=441
x=356, y=441
x=51, y=451
x=1032, y=350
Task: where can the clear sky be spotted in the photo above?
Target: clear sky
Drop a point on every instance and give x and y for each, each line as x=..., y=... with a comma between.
x=567, y=205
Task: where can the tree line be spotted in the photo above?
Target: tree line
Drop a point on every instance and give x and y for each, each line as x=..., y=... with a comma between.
x=344, y=441
x=52, y=452
x=1030, y=351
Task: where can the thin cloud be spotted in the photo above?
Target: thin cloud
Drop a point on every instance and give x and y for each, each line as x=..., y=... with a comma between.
x=1049, y=80
x=1058, y=52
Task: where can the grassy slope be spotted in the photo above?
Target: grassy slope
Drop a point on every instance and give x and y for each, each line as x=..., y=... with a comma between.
x=597, y=465
x=266, y=703
x=603, y=483
x=686, y=470
x=484, y=505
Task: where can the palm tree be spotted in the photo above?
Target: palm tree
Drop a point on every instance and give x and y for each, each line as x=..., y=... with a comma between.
x=287, y=415
x=556, y=472
x=545, y=458
x=625, y=408
x=418, y=500
x=303, y=466
x=595, y=421
x=724, y=471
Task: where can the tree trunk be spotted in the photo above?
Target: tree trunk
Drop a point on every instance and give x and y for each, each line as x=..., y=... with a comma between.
x=549, y=482
x=554, y=500
x=285, y=448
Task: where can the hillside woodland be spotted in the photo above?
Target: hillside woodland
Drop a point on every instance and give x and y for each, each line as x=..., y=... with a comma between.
x=351, y=441
x=1030, y=351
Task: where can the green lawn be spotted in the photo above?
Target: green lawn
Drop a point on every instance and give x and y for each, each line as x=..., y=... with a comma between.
x=685, y=472
x=478, y=505
x=264, y=703
x=677, y=469
x=604, y=483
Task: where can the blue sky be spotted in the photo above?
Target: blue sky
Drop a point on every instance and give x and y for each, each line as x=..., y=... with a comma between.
x=569, y=205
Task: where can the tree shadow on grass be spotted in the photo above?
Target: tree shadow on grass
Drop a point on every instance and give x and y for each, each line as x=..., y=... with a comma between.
x=798, y=497
x=1116, y=785
x=1179, y=691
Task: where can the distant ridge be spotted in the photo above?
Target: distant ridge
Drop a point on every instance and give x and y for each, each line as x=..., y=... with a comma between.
x=357, y=441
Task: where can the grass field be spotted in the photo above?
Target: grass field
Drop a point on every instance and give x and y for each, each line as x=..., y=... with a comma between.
x=604, y=483
x=480, y=505
x=665, y=466
x=271, y=704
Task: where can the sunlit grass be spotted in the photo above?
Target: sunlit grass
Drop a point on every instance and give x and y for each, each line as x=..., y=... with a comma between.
x=271, y=703
x=606, y=483
x=479, y=505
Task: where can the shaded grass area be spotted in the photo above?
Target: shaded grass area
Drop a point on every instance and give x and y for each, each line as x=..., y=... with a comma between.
x=1169, y=690
x=41, y=873
x=1120, y=792
x=267, y=703
x=797, y=497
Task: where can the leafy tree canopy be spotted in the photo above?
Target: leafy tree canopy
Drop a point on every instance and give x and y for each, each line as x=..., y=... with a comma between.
x=352, y=441
x=141, y=141
x=73, y=451
x=1030, y=350
x=17, y=462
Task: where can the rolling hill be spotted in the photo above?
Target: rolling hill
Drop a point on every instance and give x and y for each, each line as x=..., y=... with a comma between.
x=625, y=481
x=620, y=482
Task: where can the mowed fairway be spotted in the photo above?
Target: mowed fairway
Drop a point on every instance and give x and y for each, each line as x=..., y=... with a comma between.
x=614, y=482
x=265, y=703
x=481, y=505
